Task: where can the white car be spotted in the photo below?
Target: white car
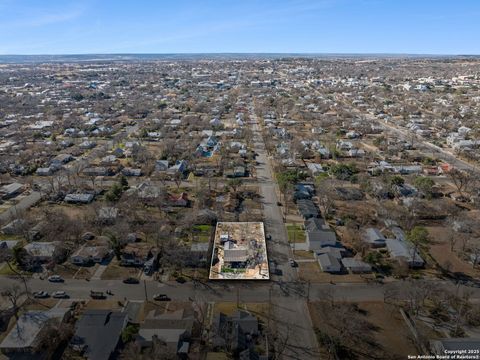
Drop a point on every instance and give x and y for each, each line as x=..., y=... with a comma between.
x=59, y=295
x=55, y=278
x=40, y=294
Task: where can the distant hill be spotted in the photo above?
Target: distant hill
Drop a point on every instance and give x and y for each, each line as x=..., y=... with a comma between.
x=25, y=59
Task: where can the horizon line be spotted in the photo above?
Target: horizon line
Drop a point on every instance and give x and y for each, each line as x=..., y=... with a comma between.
x=244, y=53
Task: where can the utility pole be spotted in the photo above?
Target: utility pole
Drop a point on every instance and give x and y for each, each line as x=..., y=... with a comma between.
x=238, y=297
x=269, y=316
x=145, y=289
x=308, y=291
x=294, y=237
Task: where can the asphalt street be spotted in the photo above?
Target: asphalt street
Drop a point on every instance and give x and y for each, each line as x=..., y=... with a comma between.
x=428, y=147
x=244, y=291
x=293, y=322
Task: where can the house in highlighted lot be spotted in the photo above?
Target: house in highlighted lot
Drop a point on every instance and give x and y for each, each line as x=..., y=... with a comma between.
x=239, y=252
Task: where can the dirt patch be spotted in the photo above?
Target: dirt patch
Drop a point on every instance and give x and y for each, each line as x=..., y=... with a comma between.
x=260, y=310
x=302, y=254
x=162, y=307
x=449, y=260
x=392, y=332
x=68, y=271
x=440, y=250
x=104, y=305
x=116, y=272
x=387, y=328
x=310, y=271
x=39, y=304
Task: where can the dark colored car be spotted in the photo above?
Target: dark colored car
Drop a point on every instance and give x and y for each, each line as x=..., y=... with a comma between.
x=98, y=295
x=161, y=297
x=131, y=280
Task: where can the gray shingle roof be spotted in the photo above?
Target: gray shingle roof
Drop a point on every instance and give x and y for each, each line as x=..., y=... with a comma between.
x=100, y=331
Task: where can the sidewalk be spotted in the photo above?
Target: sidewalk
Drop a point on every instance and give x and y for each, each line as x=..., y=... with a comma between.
x=99, y=272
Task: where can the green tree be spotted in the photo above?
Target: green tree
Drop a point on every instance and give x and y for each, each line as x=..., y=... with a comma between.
x=425, y=185
x=19, y=255
x=128, y=334
x=290, y=176
x=396, y=180
x=124, y=182
x=115, y=244
x=344, y=171
x=419, y=237
x=114, y=193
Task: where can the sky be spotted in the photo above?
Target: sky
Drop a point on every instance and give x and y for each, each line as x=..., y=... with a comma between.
x=239, y=26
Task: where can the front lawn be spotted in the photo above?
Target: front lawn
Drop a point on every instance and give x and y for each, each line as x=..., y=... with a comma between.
x=6, y=270
x=116, y=272
x=296, y=233
x=202, y=233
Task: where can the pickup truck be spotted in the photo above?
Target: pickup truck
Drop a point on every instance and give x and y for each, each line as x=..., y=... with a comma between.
x=97, y=294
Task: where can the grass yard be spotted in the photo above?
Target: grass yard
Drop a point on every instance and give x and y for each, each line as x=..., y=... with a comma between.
x=116, y=272
x=252, y=204
x=165, y=306
x=104, y=304
x=202, y=233
x=4, y=237
x=296, y=234
x=201, y=274
x=258, y=309
x=310, y=271
x=39, y=304
x=6, y=270
x=68, y=271
x=302, y=254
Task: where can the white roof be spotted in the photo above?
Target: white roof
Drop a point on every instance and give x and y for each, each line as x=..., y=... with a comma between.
x=42, y=249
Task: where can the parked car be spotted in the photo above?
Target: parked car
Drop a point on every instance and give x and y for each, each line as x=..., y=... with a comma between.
x=40, y=294
x=269, y=237
x=161, y=297
x=98, y=295
x=55, y=278
x=292, y=262
x=131, y=280
x=59, y=295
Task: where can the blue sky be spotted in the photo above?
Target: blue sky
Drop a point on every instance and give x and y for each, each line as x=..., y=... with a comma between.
x=198, y=26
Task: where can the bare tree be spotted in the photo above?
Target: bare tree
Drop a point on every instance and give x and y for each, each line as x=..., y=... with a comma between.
x=52, y=335
x=13, y=295
x=452, y=237
x=158, y=350
x=461, y=179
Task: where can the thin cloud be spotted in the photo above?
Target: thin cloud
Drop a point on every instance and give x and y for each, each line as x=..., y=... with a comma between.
x=34, y=18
